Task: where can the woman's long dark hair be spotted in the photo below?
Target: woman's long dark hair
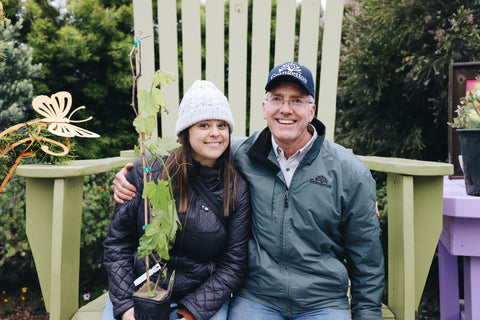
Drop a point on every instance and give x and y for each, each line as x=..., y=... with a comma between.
x=179, y=164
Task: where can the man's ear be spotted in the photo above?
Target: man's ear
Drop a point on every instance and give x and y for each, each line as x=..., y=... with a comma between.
x=312, y=112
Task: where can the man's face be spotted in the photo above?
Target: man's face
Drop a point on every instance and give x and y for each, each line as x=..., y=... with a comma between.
x=287, y=123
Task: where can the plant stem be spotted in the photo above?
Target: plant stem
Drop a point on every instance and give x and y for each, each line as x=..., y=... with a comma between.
x=146, y=202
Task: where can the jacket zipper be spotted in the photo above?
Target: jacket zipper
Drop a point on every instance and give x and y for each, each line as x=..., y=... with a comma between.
x=285, y=265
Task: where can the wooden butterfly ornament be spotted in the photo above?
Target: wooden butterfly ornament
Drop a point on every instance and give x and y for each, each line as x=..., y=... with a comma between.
x=55, y=110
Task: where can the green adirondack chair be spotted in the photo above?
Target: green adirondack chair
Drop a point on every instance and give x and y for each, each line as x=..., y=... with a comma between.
x=415, y=188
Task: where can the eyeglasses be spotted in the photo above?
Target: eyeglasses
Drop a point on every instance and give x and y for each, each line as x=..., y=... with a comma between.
x=292, y=102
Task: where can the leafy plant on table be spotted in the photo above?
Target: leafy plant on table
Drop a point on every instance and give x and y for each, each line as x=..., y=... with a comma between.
x=161, y=219
x=468, y=111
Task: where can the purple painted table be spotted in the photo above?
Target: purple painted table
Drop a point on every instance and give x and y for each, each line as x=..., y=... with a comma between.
x=460, y=237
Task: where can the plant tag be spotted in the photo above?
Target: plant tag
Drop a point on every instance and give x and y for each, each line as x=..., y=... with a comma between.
x=143, y=277
x=170, y=283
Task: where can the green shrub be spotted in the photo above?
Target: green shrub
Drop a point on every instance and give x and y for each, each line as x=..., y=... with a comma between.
x=16, y=260
x=394, y=73
x=15, y=255
x=98, y=206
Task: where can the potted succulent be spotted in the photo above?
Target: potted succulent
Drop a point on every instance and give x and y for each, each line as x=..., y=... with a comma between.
x=151, y=301
x=467, y=124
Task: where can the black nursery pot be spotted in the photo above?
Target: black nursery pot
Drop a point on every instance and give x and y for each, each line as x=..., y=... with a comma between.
x=470, y=146
x=150, y=309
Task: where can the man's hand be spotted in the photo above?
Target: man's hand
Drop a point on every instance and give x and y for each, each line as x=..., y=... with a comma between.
x=123, y=190
x=128, y=315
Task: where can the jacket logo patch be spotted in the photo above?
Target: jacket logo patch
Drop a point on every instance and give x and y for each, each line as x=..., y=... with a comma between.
x=321, y=181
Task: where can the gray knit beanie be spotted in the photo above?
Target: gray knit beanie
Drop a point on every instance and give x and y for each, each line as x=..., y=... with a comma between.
x=203, y=101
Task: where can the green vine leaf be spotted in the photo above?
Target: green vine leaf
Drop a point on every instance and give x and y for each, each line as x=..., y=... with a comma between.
x=160, y=233
x=158, y=194
x=154, y=240
x=162, y=78
x=136, y=151
x=144, y=123
x=150, y=102
x=163, y=145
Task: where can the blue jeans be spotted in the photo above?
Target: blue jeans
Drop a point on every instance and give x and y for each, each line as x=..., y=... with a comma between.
x=245, y=309
x=108, y=310
x=221, y=314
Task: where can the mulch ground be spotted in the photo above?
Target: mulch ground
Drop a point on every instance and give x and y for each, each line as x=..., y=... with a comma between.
x=19, y=305
x=24, y=315
x=22, y=300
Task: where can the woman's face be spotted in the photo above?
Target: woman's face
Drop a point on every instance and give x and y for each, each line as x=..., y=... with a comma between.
x=208, y=139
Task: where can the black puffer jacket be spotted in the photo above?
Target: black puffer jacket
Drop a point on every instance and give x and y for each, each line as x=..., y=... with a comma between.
x=209, y=259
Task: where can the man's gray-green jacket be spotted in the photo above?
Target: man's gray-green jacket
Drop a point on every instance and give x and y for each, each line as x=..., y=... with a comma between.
x=310, y=238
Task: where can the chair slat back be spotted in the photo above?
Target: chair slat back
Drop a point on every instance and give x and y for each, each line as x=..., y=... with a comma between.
x=236, y=62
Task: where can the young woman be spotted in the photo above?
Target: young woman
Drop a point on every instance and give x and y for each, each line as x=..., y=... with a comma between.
x=209, y=257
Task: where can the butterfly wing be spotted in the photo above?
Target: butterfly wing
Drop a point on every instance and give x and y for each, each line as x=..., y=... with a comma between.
x=54, y=108
x=69, y=130
x=83, y=133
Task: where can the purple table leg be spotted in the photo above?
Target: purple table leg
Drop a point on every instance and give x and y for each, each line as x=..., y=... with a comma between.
x=448, y=284
x=471, y=273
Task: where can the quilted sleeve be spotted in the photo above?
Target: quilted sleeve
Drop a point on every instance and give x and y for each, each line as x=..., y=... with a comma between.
x=120, y=246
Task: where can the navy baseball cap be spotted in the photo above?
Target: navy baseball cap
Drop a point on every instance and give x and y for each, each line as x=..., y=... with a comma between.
x=294, y=71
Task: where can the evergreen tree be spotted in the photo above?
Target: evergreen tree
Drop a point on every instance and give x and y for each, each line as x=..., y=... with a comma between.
x=393, y=85
x=85, y=51
x=16, y=74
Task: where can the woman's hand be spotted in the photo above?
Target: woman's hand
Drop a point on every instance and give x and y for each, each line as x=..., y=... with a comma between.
x=123, y=190
x=129, y=314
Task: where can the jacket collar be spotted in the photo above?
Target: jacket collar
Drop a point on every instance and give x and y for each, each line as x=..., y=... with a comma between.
x=205, y=172
x=262, y=146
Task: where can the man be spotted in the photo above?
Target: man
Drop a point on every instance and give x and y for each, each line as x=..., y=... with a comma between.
x=314, y=222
